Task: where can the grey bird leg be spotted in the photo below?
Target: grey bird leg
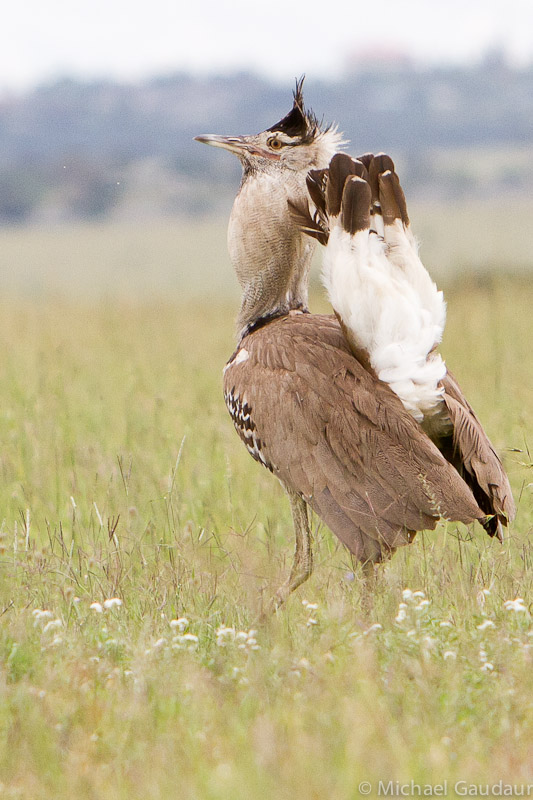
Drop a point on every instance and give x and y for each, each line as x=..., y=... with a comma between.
x=370, y=581
x=303, y=555
x=370, y=573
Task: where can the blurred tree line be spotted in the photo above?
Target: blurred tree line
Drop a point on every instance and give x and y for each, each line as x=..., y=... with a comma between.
x=72, y=150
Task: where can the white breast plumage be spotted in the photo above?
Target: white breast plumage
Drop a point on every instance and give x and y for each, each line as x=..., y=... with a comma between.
x=240, y=356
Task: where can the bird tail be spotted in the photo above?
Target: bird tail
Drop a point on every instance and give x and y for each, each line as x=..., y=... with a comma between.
x=388, y=305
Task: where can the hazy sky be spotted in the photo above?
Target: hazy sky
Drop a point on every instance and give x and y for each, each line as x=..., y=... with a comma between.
x=128, y=39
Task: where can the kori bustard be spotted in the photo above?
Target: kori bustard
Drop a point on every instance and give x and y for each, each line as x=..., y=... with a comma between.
x=355, y=413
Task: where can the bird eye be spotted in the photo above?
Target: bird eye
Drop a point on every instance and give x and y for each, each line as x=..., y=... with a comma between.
x=274, y=144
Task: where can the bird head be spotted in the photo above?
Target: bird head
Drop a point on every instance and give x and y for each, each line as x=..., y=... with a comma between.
x=268, y=249
x=297, y=142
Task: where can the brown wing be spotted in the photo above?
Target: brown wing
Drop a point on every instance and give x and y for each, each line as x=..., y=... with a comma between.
x=471, y=452
x=331, y=431
x=467, y=446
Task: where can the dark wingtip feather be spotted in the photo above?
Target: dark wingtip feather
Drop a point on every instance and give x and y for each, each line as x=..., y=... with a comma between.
x=316, y=186
x=356, y=199
x=387, y=197
x=365, y=159
x=307, y=224
x=493, y=525
x=360, y=169
x=341, y=167
x=378, y=164
x=392, y=198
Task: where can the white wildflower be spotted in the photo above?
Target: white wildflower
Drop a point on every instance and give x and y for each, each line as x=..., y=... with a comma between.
x=191, y=640
x=487, y=623
x=375, y=627
x=245, y=640
x=52, y=625
x=225, y=635
x=41, y=615
x=445, y=624
x=160, y=643
x=515, y=605
x=185, y=641
x=449, y=654
x=407, y=594
x=311, y=621
x=419, y=594
x=422, y=604
x=487, y=667
x=179, y=624
x=401, y=613
x=97, y=607
x=309, y=606
x=113, y=602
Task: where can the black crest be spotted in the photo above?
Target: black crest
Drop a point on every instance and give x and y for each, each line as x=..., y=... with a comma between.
x=298, y=123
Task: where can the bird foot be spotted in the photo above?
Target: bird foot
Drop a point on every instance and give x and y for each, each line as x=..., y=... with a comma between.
x=296, y=578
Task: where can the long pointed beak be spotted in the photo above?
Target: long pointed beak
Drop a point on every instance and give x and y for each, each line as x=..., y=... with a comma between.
x=235, y=144
x=240, y=145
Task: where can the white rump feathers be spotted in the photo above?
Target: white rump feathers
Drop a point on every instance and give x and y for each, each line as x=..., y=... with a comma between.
x=391, y=309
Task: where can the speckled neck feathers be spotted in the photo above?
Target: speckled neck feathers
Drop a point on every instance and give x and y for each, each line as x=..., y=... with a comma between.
x=269, y=252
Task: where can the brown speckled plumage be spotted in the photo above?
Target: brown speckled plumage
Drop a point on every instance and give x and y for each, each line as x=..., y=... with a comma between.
x=341, y=439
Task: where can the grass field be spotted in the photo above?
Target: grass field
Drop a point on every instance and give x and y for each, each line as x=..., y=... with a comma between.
x=185, y=259
x=122, y=478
